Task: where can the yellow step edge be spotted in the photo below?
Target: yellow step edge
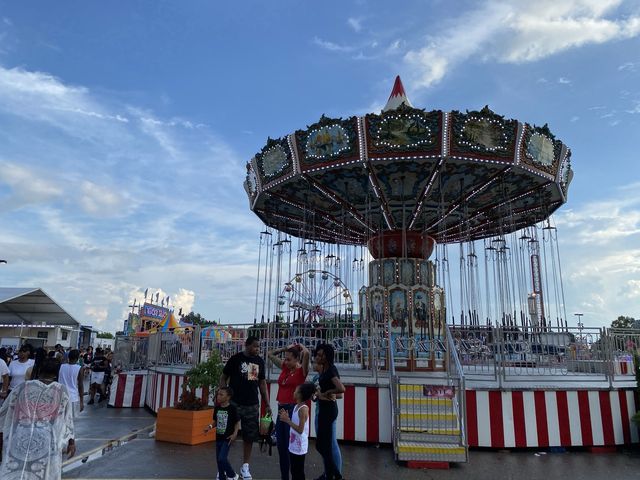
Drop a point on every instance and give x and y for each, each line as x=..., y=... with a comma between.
x=431, y=431
x=427, y=401
x=430, y=416
x=407, y=388
x=434, y=450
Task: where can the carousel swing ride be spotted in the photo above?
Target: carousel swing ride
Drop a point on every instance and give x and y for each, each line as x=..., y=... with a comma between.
x=382, y=194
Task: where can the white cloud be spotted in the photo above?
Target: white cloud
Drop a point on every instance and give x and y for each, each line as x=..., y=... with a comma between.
x=184, y=300
x=631, y=289
x=100, y=200
x=355, y=23
x=98, y=314
x=39, y=97
x=519, y=31
x=28, y=186
x=395, y=46
x=629, y=67
x=635, y=109
x=119, y=198
x=564, y=81
x=601, y=222
x=333, y=47
x=600, y=255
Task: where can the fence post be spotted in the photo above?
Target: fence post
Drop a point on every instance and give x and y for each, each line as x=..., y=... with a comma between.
x=196, y=345
x=607, y=343
x=269, y=346
x=498, y=357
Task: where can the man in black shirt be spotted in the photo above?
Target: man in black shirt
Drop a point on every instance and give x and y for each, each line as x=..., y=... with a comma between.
x=245, y=374
x=98, y=367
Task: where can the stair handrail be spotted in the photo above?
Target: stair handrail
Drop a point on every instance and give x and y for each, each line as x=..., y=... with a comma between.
x=453, y=357
x=454, y=366
x=393, y=390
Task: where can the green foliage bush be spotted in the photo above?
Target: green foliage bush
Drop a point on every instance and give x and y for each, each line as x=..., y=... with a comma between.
x=205, y=375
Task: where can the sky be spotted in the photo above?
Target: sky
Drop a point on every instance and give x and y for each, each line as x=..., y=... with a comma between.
x=125, y=128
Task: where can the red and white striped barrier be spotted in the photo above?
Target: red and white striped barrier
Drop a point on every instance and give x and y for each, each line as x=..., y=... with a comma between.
x=521, y=419
x=495, y=419
x=369, y=422
x=164, y=390
x=624, y=367
x=128, y=390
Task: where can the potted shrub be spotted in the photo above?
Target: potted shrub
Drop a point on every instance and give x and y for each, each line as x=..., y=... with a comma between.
x=186, y=422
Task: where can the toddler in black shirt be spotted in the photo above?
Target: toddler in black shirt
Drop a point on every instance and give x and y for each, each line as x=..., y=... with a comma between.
x=227, y=424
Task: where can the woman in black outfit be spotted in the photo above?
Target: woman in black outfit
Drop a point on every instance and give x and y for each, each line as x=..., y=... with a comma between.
x=330, y=386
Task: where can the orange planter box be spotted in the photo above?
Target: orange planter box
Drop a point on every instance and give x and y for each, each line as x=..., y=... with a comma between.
x=184, y=426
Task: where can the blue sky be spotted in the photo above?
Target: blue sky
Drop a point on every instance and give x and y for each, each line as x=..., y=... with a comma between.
x=125, y=127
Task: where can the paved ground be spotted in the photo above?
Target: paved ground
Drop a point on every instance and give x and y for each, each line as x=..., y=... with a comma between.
x=144, y=458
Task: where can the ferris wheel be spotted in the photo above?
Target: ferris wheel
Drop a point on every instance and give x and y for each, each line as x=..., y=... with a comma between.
x=315, y=295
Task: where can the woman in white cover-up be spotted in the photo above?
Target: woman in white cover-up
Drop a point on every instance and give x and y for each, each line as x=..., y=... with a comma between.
x=37, y=423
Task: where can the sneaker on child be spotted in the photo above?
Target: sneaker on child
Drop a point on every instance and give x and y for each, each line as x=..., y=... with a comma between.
x=244, y=471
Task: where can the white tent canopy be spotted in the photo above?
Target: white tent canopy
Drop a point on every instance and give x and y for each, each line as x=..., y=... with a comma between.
x=32, y=307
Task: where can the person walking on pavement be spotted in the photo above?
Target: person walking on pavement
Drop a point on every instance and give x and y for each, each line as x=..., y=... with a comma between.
x=37, y=424
x=18, y=368
x=294, y=372
x=244, y=372
x=39, y=356
x=227, y=424
x=4, y=387
x=87, y=358
x=98, y=367
x=72, y=376
x=330, y=386
x=4, y=380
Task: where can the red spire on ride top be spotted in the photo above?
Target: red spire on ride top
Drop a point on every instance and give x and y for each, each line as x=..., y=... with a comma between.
x=397, y=97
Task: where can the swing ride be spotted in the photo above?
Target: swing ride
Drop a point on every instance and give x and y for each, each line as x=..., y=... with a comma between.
x=387, y=190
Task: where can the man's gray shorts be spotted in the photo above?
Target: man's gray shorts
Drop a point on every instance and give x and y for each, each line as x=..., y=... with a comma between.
x=249, y=415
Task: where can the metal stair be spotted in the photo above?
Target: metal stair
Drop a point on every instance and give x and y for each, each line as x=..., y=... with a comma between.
x=427, y=428
x=428, y=414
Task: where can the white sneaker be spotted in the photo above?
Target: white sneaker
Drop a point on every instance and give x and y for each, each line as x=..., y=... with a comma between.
x=244, y=471
x=217, y=476
x=237, y=477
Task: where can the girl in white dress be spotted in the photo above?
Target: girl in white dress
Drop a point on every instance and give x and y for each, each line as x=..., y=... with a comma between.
x=299, y=431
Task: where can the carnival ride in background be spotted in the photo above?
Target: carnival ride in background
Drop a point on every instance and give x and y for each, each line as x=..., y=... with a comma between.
x=152, y=316
x=353, y=210
x=475, y=187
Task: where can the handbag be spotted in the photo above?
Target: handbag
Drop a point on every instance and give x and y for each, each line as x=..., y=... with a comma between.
x=266, y=424
x=267, y=433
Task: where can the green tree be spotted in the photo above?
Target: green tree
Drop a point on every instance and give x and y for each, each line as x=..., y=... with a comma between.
x=105, y=335
x=197, y=319
x=623, y=322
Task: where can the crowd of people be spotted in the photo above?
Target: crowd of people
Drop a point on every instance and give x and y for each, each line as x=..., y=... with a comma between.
x=41, y=392
x=237, y=409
